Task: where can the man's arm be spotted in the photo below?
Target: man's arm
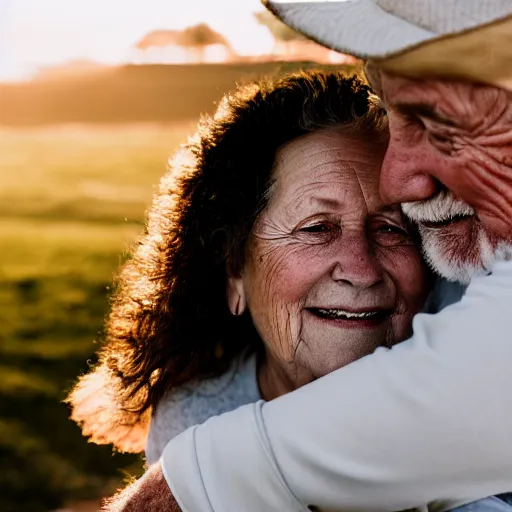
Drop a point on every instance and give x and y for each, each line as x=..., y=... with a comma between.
x=429, y=420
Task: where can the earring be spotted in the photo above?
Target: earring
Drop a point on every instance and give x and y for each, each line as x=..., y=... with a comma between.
x=238, y=308
x=219, y=351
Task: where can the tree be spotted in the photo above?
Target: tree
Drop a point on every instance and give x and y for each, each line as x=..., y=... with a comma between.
x=200, y=35
x=194, y=39
x=158, y=38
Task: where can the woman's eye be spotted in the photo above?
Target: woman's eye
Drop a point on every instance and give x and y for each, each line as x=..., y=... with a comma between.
x=388, y=235
x=318, y=232
x=316, y=228
x=388, y=228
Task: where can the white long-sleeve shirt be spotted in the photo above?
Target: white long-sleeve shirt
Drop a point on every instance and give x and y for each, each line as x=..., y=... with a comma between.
x=429, y=420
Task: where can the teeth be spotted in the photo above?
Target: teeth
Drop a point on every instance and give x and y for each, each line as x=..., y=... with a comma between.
x=340, y=313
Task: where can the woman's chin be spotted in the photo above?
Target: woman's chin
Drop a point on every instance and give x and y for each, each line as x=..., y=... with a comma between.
x=333, y=357
x=331, y=344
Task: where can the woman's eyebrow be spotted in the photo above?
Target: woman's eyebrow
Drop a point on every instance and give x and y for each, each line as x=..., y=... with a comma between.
x=421, y=109
x=390, y=210
x=314, y=204
x=327, y=202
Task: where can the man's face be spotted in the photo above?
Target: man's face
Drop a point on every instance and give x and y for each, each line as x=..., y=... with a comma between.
x=449, y=162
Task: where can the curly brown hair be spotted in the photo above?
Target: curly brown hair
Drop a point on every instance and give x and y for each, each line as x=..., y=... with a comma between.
x=169, y=321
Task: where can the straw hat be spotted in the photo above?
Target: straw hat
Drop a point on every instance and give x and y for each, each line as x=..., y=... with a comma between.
x=465, y=39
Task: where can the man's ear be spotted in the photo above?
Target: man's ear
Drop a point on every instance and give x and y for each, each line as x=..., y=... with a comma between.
x=236, y=295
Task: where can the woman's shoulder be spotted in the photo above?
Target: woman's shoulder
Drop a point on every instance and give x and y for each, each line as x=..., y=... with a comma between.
x=195, y=402
x=443, y=294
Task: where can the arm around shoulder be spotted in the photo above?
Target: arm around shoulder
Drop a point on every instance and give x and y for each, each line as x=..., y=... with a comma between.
x=428, y=420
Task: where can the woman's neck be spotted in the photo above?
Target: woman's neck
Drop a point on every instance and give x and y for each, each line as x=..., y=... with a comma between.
x=276, y=378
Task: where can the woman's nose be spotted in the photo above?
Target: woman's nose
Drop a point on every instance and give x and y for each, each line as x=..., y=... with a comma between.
x=404, y=175
x=355, y=264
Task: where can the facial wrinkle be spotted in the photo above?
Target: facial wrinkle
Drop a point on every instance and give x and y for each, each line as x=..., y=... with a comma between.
x=314, y=159
x=323, y=179
x=484, y=179
x=361, y=189
x=268, y=229
x=490, y=156
x=308, y=204
x=297, y=336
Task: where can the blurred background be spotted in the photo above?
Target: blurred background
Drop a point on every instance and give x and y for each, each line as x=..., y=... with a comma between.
x=94, y=97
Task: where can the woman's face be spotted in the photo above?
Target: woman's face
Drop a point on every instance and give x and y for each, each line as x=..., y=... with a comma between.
x=331, y=273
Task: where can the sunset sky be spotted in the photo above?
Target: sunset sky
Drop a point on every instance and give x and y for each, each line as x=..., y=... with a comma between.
x=37, y=33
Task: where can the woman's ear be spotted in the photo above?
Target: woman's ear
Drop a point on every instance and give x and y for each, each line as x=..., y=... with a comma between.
x=236, y=295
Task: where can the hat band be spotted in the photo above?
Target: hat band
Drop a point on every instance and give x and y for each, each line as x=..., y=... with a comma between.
x=482, y=55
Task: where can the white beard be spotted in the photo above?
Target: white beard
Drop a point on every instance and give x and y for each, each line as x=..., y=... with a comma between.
x=448, y=265
x=441, y=256
x=440, y=208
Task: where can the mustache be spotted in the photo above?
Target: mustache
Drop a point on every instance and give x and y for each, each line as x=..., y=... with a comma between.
x=440, y=208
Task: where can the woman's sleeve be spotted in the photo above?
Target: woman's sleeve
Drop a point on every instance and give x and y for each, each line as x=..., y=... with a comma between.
x=430, y=419
x=150, y=493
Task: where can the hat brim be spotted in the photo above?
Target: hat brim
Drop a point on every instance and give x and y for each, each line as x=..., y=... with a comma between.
x=357, y=27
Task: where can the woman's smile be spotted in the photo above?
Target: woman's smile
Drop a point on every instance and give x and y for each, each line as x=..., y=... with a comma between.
x=345, y=318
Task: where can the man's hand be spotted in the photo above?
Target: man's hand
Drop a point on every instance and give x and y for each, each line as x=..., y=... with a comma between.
x=149, y=493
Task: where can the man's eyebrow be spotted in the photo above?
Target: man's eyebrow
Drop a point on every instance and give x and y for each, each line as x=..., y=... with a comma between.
x=422, y=110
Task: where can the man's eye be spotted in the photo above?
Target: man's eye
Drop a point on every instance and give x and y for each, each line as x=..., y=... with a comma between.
x=439, y=135
x=440, y=139
x=414, y=121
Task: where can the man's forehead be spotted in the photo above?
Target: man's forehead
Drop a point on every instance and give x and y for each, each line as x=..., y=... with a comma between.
x=385, y=84
x=394, y=88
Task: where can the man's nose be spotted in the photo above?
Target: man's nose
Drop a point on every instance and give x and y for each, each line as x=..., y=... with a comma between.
x=404, y=175
x=356, y=264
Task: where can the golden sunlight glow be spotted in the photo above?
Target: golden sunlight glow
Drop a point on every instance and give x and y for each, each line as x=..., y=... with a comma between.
x=36, y=33
x=250, y=39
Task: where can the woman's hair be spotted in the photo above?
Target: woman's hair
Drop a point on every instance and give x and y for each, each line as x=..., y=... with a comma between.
x=170, y=321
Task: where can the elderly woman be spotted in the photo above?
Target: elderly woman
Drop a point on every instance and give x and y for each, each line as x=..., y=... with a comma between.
x=269, y=261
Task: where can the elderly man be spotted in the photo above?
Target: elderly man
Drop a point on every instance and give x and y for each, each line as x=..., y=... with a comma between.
x=429, y=421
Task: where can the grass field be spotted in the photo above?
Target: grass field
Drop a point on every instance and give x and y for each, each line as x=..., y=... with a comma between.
x=164, y=93
x=72, y=200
